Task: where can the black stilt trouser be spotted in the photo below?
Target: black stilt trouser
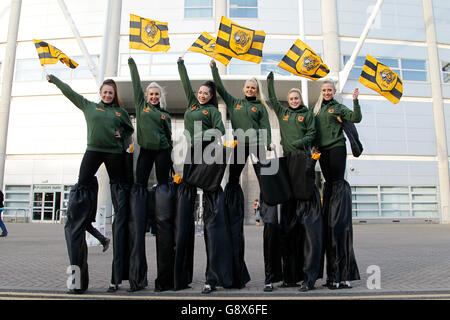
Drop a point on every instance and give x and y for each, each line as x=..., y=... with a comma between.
x=271, y=244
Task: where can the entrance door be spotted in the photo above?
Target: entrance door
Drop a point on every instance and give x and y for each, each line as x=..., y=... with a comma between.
x=46, y=206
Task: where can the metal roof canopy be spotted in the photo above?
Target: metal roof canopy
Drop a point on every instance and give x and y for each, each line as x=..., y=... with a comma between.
x=176, y=99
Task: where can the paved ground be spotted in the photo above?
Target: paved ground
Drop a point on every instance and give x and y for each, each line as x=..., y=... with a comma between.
x=414, y=262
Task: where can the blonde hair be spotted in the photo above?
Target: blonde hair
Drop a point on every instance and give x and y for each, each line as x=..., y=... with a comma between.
x=319, y=101
x=259, y=95
x=299, y=93
x=162, y=100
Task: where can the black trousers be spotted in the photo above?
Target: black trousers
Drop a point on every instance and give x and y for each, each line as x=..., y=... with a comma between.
x=146, y=159
x=238, y=163
x=332, y=163
x=92, y=160
x=96, y=234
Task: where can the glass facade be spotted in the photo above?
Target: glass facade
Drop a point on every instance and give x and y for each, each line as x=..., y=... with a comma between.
x=198, y=8
x=395, y=202
x=243, y=8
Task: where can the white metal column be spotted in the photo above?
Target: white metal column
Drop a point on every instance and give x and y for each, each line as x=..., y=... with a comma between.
x=8, y=75
x=438, y=110
x=331, y=50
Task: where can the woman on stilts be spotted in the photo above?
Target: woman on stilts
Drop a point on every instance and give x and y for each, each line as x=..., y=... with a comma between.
x=203, y=113
x=301, y=221
x=154, y=136
x=107, y=125
x=337, y=198
x=251, y=128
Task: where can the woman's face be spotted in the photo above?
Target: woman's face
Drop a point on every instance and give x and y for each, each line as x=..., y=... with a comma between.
x=250, y=89
x=204, y=94
x=294, y=100
x=153, y=95
x=328, y=91
x=107, y=93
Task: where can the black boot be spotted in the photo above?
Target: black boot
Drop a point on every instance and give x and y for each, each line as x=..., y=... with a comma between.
x=234, y=205
x=79, y=213
x=184, y=236
x=271, y=244
x=121, y=246
x=136, y=227
x=341, y=262
x=219, y=265
x=165, y=210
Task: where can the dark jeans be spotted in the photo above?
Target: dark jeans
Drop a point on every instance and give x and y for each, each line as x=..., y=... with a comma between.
x=162, y=161
x=92, y=160
x=332, y=163
x=2, y=225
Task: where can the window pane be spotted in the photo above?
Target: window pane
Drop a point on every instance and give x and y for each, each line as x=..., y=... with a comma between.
x=424, y=206
x=395, y=206
x=373, y=206
x=191, y=57
x=198, y=3
x=197, y=13
x=366, y=197
x=424, y=189
x=414, y=75
x=394, y=189
x=81, y=73
x=424, y=197
x=413, y=64
x=244, y=3
x=446, y=77
x=29, y=75
x=244, y=13
x=243, y=69
x=355, y=73
x=17, y=196
x=367, y=214
x=392, y=63
x=367, y=189
x=425, y=214
x=395, y=213
x=266, y=68
x=395, y=197
x=271, y=58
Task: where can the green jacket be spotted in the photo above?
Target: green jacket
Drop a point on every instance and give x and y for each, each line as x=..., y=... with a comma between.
x=209, y=116
x=102, y=120
x=297, y=126
x=329, y=128
x=154, y=129
x=244, y=114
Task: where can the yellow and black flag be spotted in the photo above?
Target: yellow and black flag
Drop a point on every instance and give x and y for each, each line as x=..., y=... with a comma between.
x=239, y=42
x=149, y=35
x=49, y=54
x=205, y=44
x=382, y=79
x=302, y=61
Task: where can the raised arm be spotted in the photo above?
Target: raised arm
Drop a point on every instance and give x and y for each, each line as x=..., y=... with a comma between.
x=227, y=98
x=307, y=140
x=264, y=123
x=185, y=82
x=77, y=99
x=276, y=105
x=139, y=97
x=354, y=116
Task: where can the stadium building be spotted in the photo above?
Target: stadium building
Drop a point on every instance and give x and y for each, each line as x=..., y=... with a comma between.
x=402, y=175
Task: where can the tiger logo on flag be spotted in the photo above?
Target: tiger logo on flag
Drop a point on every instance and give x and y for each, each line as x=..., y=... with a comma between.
x=385, y=77
x=241, y=39
x=150, y=33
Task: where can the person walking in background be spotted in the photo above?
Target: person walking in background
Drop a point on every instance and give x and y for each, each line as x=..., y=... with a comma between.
x=154, y=136
x=2, y=225
x=108, y=124
x=257, y=208
x=337, y=197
